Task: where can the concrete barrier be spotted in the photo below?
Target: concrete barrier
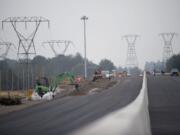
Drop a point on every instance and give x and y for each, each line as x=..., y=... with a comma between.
x=130, y=120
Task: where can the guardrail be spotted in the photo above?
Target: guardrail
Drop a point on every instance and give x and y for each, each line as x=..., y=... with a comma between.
x=130, y=120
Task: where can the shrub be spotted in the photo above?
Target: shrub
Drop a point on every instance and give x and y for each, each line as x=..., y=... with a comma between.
x=15, y=100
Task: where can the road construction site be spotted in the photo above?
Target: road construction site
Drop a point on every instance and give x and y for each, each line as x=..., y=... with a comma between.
x=86, y=87
x=128, y=106
x=63, y=115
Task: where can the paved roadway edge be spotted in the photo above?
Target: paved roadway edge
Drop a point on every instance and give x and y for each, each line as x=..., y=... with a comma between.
x=130, y=120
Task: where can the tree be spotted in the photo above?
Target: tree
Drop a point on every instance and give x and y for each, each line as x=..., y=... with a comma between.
x=39, y=63
x=173, y=62
x=134, y=71
x=14, y=72
x=154, y=66
x=106, y=64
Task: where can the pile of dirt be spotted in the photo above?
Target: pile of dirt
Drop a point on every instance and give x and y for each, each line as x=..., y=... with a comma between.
x=85, y=87
x=11, y=101
x=65, y=90
x=15, y=100
x=11, y=97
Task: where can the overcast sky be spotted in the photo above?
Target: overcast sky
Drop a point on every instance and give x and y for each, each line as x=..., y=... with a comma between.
x=108, y=21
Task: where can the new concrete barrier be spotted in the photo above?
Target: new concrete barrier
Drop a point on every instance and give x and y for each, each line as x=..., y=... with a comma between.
x=130, y=120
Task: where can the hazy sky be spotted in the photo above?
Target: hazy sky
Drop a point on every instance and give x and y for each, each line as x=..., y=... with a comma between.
x=108, y=21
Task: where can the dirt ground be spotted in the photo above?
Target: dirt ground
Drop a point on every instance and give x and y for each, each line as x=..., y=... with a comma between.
x=13, y=93
x=86, y=87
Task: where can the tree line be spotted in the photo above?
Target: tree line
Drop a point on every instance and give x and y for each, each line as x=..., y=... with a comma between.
x=18, y=75
x=172, y=62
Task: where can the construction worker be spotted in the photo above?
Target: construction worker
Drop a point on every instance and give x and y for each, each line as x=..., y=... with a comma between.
x=77, y=82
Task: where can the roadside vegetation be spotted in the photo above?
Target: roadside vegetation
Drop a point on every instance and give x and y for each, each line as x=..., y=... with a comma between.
x=11, y=98
x=173, y=62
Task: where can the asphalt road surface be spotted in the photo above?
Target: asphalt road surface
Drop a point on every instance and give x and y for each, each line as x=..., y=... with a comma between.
x=61, y=116
x=164, y=105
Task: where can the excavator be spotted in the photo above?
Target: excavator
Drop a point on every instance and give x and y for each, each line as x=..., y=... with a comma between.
x=43, y=86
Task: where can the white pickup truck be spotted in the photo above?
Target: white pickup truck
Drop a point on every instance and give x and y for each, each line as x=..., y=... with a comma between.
x=106, y=74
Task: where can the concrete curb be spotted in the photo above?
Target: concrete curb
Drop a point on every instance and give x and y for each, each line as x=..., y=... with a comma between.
x=130, y=120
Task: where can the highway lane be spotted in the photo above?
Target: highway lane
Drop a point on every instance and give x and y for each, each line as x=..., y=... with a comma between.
x=62, y=116
x=164, y=104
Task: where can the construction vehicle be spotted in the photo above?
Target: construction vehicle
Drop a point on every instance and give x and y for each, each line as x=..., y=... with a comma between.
x=97, y=75
x=174, y=72
x=43, y=86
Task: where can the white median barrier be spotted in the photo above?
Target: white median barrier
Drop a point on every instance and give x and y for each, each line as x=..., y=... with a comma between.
x=130, y=120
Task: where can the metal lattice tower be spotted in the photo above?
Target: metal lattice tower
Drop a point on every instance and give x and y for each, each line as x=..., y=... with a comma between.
x=167, y=50
x=58, y=43
x=131, y=60
x=26, y=45
x=4, y=49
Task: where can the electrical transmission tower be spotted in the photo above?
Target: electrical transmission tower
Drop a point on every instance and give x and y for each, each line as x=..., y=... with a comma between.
x=26, y=44
x=167, y=50
x=4, y=49
x=57, y=43
x=131, y=60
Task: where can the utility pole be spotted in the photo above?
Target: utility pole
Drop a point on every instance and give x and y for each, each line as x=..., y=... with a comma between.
x=32, y=76
x=23, y=79
x=0, y=81
x=84, y=18
x=18, y=85
x=12, y=80
x=131, y=60
x=167, y=50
